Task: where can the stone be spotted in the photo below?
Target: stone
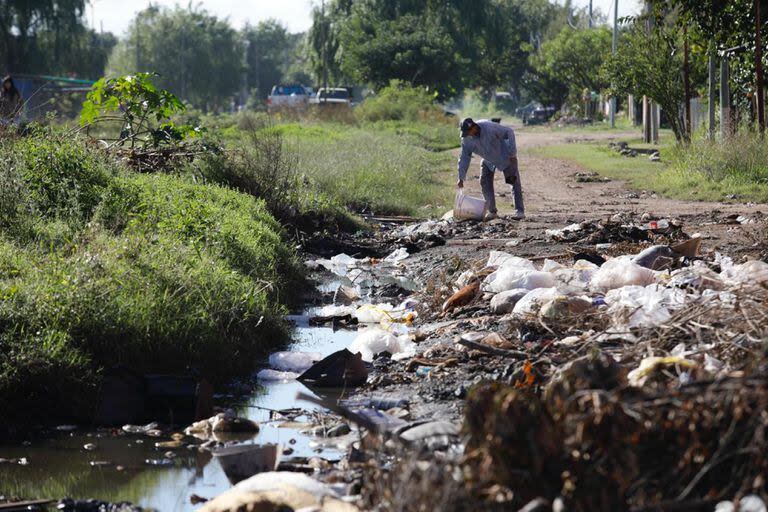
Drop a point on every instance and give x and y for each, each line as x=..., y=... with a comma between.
x=504, y=302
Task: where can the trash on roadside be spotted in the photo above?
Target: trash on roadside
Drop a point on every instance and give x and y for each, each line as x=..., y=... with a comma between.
x=338, y=370
x=225, y=422
x=504, y=302
x=620, y=272
x=374, y=340
x=295, y=362
x=270, y=375
x=649, y=365
x=243, y=461
x=462, y=298
x=467, y=207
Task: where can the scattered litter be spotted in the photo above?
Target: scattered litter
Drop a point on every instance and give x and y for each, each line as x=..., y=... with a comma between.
x=270, y=375
x=339, y=370
x=295, y=362
x=242, y=461
x=373, y=341
x=649, y=365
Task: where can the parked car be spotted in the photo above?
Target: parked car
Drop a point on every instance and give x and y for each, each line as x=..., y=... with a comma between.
x=288, y=96
x=332, y=95
x=535, y=113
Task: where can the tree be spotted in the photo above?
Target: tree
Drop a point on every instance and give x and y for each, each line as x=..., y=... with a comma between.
x=198, y=56
x=647, y=63
x=49, y=36
x=571, y=62
x=269, y=49
x=415, y=50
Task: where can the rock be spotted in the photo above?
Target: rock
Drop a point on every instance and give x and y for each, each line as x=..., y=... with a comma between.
x=504, y=302
x=339, y=430
x=563, y=308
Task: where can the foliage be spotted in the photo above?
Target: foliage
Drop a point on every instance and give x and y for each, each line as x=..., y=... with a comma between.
x=138, y=102
x=269, y=52
x=397, y=102
x=648, y=64
x=411, y=48
x=150, y=271
x=199, y=55
x=570, y=63
x=49, y=37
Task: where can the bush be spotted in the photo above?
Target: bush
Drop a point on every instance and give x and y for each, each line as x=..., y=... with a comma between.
x=397, y=102
x=717, y=171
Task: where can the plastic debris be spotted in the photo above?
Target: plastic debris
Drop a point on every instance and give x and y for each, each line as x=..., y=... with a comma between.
x=642, y=306
x=620, y=272
x=340, y=369
x=397, y=256
x=270, y=375
x=508, y=277
x=373, y=341
x=296, y=362
x=504, y=302
x=649, y=365
x=532, y=302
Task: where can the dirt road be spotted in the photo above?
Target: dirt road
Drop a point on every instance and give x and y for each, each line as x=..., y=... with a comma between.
x=554, y=198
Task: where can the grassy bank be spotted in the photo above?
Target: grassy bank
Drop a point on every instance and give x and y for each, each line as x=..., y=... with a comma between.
x=385, y=167
x=101, y=266
x=737, y=170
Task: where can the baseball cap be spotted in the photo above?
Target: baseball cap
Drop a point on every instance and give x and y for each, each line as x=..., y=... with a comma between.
x=466, y=124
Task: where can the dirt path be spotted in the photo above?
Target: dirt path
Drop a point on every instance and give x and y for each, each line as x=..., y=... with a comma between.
x=554, y=198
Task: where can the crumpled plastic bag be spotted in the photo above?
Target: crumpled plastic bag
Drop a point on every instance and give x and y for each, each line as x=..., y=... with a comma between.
x=504, y=259
x=532, y=302
x=620, y=272
x=575, y=279
x=373, y=341
x=642, y=306
x=751, y=272
x=639, y=375
x=510, y=277
x=296, y=362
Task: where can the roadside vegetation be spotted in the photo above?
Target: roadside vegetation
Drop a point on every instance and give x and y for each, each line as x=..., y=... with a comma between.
x=101, y=266
x=736, y=171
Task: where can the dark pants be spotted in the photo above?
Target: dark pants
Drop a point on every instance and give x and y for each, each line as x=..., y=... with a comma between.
x=511, y=177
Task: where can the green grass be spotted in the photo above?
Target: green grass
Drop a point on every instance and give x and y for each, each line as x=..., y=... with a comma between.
x=384, y=167
x=737, y=170
x=100, y=266
x=639, y=171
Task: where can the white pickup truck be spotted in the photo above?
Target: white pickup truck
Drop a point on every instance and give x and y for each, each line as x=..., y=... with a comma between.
x=332, y=96
x=288, y=96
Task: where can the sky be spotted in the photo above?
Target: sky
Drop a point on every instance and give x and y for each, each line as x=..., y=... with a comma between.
x=116, y=15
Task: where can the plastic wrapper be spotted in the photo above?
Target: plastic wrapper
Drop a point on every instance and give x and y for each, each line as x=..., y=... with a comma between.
x=620, y=272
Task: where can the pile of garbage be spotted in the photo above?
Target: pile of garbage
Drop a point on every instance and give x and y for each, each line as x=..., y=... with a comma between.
x=644, y=383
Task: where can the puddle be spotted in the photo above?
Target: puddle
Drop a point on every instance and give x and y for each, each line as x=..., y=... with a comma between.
x=59, y=466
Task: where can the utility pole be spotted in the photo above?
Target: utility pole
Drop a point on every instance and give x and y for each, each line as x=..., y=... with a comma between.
x=759, y=70
x=324, y=96
x=687, y=84
x=613, y=49
x=725, y=99
x=590, y=13
x=712, y=91
x=138, y=46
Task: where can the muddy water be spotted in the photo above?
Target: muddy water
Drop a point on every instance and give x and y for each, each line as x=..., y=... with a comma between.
x=58, y=466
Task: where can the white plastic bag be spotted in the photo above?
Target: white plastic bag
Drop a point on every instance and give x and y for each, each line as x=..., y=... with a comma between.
x=642, y=306
x=509, y=277
x=296, y=362
x=620, y=272
x=532, y=302
x=373, y=341
x=503, y=259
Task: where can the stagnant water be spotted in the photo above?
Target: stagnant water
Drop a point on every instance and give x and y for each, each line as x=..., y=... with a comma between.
x=58, y=466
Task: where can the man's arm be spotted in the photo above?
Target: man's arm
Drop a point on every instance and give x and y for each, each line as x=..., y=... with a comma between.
x=464, y=159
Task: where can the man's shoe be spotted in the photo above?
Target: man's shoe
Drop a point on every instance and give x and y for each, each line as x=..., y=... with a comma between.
x=490, y=216
x=518, y=215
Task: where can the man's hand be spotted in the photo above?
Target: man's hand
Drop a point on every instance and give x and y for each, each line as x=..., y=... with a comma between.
x=460, y=184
